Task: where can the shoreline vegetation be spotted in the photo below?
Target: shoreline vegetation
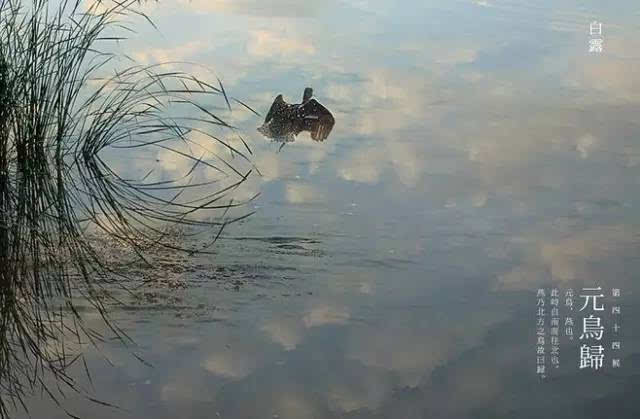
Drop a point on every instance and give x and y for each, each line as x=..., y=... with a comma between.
x=60, y=118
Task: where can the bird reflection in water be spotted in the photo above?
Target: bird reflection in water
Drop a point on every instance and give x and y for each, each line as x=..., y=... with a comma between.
x=284, y=121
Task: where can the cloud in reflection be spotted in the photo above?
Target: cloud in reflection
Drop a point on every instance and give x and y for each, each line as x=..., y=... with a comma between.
x=299, y=193
x=586, y=145
x=234, y=355
x=266, y=43
x=229, y=364
x=323, y=314
x=609, y=77
x=161, y=55
x=572, y=258
x=285, y=8
x=593, y=256
x=363, y=167
x=412, y=344
x=290, y=332
x=286, y=332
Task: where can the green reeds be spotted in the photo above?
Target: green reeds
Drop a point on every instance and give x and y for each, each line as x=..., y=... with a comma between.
x=56, y=124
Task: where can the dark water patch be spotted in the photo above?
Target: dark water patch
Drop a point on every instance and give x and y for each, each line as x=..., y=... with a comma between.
x=291, y=247
x=276, y=239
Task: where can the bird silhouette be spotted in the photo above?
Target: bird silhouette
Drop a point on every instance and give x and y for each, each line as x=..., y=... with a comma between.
x=285, y=121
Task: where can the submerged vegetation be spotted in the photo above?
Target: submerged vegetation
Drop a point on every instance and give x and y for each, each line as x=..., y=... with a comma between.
x=62, y=125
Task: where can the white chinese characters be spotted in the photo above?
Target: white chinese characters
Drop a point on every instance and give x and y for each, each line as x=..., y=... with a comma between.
x=597, y=315
x=596, y=41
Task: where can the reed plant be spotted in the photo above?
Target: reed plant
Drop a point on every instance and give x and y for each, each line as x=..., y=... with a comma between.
x=64, y=106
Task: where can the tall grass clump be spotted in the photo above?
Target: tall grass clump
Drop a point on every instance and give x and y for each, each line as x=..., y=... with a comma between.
x=66, y=113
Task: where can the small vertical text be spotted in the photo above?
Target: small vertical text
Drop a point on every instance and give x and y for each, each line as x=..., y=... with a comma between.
x=596, y=39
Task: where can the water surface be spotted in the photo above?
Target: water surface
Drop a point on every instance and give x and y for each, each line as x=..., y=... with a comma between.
x=480, y=152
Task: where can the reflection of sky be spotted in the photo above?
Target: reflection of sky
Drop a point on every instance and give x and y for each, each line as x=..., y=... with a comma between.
x=479, y=152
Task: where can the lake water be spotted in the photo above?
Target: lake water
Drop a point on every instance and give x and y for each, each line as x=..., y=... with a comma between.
x=480, y=153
